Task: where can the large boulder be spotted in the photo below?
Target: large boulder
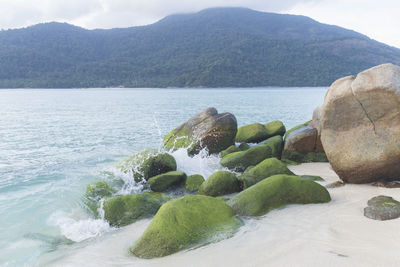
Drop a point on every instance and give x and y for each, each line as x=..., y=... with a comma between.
x=193, y=183
x=382, y=208
x=124, y=210
x=208, y=129
x=147, y=163
x=163, y=182
x=360, y=125
x=220, y=183
x=184, y=223
x=239, y=161
x=277, y=191
x=263, y=170
x=302, y=144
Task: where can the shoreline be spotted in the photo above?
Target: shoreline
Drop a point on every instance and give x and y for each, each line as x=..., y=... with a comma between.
x=332, y=234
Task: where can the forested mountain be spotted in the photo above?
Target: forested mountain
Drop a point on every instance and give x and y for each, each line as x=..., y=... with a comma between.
x=218, y=47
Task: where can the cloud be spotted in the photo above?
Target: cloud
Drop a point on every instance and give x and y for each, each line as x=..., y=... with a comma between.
x=377, y=20
x=115, y=13
x=380, y=21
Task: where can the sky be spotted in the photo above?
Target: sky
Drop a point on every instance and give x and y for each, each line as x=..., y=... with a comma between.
x=376, y=19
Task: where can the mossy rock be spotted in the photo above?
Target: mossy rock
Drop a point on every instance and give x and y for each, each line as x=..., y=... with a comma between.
x=263, y=170
x=275, y=128
x=124, y=210
x=184, y=223
x=252, y=133
x=147, y=163
x=276, y=145
x=243, y=147
x=206, y=130
x=234, y=148
x=193, y=183
x=220, y=183
x=296, y=127
x=382, y=208
x=303, y=157
x=239, y=161
x=229, y=150
x=312, y=178
x=165, y=181
x=277, y=191
x=95, y=192
x=181, y=138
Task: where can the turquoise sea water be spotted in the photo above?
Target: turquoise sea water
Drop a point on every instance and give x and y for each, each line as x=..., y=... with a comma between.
x=54, y=142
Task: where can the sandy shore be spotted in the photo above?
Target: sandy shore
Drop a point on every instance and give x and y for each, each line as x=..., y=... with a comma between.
x=333, y=234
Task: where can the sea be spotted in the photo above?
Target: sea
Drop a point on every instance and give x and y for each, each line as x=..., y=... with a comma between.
x=54, y=142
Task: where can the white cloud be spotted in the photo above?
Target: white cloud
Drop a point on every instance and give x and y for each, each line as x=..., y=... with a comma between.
x=379, y=20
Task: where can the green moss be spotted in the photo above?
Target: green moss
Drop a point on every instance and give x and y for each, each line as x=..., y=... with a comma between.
x=252, y=133
x=302, y=157
x=296, y=127
x=184, y=223
x=265, y=169
x=312, y=178
x=239, y=161
x=278, y=191
x=179, y=139
x=276, y=145
x=243, y=147
x=94, y=193
x=164, y=181
x=275, y=128
x=289, y=162
x=193, y=183
x=123, y=210
x=229, y=150
x=220, y=183
x=147, y=163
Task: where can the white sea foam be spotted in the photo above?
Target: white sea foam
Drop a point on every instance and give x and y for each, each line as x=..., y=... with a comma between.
x=201, y=163
x=78, y=230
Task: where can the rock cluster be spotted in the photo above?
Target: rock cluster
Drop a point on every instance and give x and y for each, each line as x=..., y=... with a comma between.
x=189, y=210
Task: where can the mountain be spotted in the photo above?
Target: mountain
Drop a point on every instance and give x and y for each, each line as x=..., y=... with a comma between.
x=218, y=47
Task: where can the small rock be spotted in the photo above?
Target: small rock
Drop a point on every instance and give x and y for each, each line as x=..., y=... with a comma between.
x=393, y=184
x=335, y=184
x=164, y=181
x=382, y=208
x=220, y=183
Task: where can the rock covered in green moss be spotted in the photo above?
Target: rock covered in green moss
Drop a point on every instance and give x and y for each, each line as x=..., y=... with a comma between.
x=275, y=128
x=234, y=148
x=276, y=145
x=252, y=133
x=184, y=223
x=95, y=192
x=99, y=190
x=147, y=163
x=382, y=208
x=263, y=170
x=239, y=161
x=277, y=191
x=193, y=183
x=220, y=183
x=124, y=210
x=166, y=180
x=312, y=178
x=207, y=129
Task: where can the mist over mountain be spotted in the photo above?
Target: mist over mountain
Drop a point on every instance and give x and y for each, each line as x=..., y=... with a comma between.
x=218, y=47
